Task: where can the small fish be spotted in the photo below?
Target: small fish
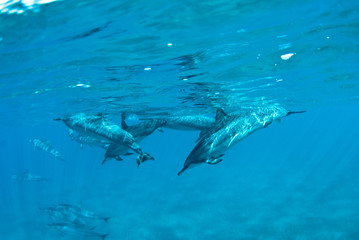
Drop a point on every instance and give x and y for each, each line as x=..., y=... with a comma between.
x=66, y=228
x=46, y=146
x=27, y=177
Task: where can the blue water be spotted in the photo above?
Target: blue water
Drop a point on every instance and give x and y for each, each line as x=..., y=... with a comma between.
x=296, y=179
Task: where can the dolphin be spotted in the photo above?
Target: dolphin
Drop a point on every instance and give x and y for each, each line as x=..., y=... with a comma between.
x=78, y=212
x=77, y=232
x=229, y=130
x=98, y=127
x=90, y=141
x=57, y=213
x=191, y=122
x=138, y=131
x=27, y=177
x=47, y=147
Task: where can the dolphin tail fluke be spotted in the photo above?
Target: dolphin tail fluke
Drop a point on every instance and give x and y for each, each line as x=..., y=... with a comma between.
x=143, y=157
x=147, y=156
x=289, y=113
x=104, y=236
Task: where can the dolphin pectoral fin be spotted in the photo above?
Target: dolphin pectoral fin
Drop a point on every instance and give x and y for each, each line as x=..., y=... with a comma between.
x=214, y=161
x=118, y=158
x=138, y=162
x=267, y=124
x=128, y=154
x=160, y=129
x=289, y=113
x=71, y=134
x=103, y=162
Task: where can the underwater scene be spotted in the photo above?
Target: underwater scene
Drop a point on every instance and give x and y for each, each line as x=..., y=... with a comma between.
x=176, y=120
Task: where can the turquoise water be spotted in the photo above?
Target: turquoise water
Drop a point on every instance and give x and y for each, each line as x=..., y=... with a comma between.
x=296, y=179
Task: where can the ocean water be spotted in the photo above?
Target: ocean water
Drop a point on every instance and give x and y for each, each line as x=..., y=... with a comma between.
x=296, y=179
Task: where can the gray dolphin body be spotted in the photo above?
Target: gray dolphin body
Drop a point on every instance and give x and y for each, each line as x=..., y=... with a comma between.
x=63, y=215
x=229, y=130
x=79, y=212
x=90, y=141
x=69, y=229
x=27, y=177
x=96, y=126
x=194, y=122
x=47, y=147
x=138, y=131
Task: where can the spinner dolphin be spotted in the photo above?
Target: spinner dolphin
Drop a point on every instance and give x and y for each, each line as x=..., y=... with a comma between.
x=230, y=129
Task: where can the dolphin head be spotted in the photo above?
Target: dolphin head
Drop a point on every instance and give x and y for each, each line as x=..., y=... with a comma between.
x=198, y=155
x=203, y=152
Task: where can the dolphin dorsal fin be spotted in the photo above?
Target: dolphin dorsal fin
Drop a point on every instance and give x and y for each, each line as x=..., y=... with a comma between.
x=218, y=123
x=124, y=125
x=220, y=114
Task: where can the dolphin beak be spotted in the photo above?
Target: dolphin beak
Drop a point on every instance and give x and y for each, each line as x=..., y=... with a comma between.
x=183, y=169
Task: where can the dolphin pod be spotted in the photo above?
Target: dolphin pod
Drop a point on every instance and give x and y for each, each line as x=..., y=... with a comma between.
x=217, y=134
x=74, y=220
x=97, y=126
